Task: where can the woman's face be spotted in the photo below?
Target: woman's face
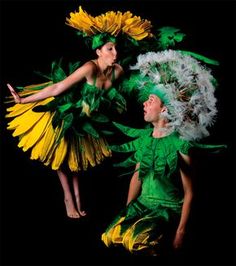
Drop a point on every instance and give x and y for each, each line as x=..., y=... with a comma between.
x=108, y=53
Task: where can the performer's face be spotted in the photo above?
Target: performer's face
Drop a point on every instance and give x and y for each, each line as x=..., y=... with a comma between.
x=152, y=108
x=108, y=53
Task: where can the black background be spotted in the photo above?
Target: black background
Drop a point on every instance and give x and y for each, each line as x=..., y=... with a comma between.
x=34, y=227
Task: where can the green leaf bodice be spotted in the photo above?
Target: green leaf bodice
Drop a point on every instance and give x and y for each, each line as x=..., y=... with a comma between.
x=83, y=107
x=159, y=164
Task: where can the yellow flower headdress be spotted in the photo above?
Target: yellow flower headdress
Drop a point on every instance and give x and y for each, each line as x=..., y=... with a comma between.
x=109, y=25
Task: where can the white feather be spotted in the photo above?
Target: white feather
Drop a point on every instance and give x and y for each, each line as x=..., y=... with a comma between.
x=183, y=75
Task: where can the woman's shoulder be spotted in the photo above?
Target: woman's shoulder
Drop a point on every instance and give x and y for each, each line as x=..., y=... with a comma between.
x=90, y=65
x=89, y=68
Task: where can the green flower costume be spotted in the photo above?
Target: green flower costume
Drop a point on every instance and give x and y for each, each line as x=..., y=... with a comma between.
x=69, y=129
x=148, y=220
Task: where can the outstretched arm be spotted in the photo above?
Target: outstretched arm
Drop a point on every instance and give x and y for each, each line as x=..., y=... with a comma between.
x=186, y=176
x=134, y=186
x=84, y=71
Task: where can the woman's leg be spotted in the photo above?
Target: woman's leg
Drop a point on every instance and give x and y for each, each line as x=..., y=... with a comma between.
x=77, y=194
x=68, y=199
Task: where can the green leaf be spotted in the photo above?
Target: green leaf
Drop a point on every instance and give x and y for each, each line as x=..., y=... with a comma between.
x=58, y=73
x=49, y=77
x=73, y=67
x=107, y=132
x=64, y=107
x=111, y=93
x=200, y=57
x=87, y=127
x=68, y=119
x=168, y=36
x=100, y=118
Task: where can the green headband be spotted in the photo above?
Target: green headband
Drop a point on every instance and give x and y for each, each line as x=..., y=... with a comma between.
x=148, y=87
x=99, y=40
x=142, y=86
x=159, y=92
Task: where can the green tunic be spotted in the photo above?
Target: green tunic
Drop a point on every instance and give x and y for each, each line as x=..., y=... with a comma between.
x=154, y=214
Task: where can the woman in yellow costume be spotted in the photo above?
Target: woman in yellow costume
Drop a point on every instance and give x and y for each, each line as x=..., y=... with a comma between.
x=62, y=121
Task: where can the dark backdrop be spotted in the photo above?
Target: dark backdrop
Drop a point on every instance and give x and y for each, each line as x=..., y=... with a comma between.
x=34, y=227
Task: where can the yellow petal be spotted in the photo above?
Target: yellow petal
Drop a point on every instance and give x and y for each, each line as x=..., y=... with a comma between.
x=59, y=154
x=19, y=109
x=82, y=152
x=19, y=123
x=89, y=151
x=73, y=157
x=81, y=20
x=85, y=108
x=32, y=136
x=104, y=147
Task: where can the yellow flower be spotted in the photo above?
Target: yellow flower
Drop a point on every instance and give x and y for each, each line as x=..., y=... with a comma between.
x=82, y=21
x=110, y=22
x=137, y=28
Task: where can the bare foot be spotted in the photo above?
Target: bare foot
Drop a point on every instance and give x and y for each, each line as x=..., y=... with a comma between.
x=70, y=209
x=81, y=213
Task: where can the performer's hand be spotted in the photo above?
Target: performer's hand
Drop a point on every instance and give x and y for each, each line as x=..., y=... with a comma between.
x=15, y=95
x=178, y=240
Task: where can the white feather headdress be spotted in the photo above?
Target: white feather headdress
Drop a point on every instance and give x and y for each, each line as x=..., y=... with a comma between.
x=188, y=87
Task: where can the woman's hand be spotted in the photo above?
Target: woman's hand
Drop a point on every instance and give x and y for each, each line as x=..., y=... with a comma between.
x=15, y=95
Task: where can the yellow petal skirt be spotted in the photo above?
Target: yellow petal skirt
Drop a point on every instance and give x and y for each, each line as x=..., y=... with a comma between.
x=36, y=133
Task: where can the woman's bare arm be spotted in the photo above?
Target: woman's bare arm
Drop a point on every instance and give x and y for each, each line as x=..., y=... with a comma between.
x=81, y=73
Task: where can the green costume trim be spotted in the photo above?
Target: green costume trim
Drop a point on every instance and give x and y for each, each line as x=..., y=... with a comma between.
x=99, y=40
